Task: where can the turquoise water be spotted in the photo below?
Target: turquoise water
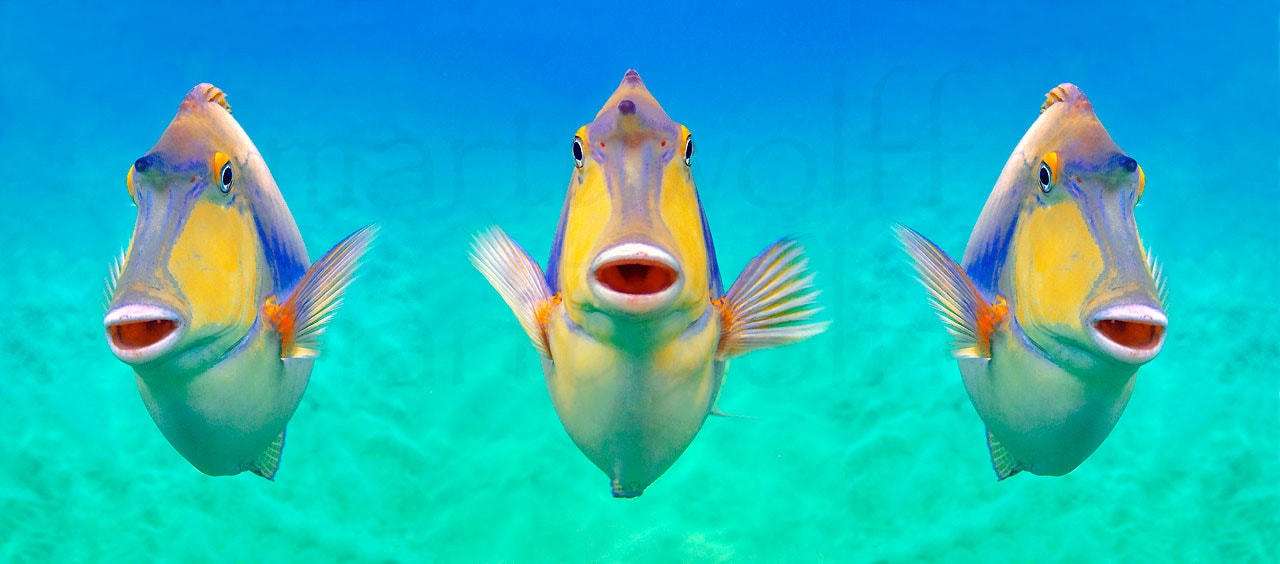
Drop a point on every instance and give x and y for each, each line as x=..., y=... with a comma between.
x=427, y=434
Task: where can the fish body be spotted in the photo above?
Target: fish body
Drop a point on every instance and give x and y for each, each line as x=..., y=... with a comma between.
x=630, y=318
x=1056, y=303
x=215, y=304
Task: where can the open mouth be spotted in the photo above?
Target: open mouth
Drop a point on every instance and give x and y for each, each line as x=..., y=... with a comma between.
x=140, y=333
x=635, y=278
x=1130, y=333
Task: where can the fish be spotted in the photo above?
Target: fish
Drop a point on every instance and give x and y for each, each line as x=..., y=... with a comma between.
x=1056, y=303
x=630, y=319
x=214, y=303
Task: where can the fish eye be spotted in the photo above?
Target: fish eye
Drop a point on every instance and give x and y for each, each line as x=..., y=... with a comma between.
x=577, y=152
x=225, y=177
x=688, y=150
x=1048, y=173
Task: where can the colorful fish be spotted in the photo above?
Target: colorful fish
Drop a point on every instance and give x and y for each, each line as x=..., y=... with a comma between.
x=214, y=303
x=630, y=318
x=1056, y=304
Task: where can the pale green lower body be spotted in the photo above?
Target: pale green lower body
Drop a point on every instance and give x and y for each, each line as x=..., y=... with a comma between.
x=223, y=419
x=1048, y=419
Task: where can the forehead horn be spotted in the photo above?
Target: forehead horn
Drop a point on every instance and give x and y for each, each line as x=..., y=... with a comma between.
x=631, y=89
x=1067, y=96
x=204, y=93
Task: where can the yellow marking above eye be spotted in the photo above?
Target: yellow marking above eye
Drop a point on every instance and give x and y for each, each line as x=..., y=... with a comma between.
x=1142, y=183
x=128, y=181
x=686, y=145
x=223, y=172
x=1047, y=175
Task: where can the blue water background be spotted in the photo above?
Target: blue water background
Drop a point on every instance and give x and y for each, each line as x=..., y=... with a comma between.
x=427, y=434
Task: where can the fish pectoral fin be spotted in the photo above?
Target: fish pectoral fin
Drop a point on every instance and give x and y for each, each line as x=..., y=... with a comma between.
x=269, y=461
x=519, y=280
x=770, y=304
x=302, y=318
x=1157, y=274
x=969, y=318
x=1003, y=462
x=113, y=277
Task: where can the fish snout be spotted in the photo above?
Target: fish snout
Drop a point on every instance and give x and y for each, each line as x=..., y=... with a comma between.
x=1127, y=163
x=143, y=164
x=139, y=334
x=635, y=278
x=1131, y=333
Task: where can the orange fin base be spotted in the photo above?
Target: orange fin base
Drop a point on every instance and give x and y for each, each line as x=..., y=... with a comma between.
x=989, y=319
x=969, y=319
x=520, y=282
x=282, y=317
x=302, y=318
x=772, y=303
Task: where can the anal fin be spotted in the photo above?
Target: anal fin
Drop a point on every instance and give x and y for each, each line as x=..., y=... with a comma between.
x=1003, y=462
x=715, y=410
x=969, y=318
x=770, y=304
x=269, y=461
x=519, y=280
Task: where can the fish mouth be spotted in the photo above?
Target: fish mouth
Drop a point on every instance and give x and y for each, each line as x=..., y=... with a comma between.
x=139, y=334
x=635, y=278
x=1132, y=334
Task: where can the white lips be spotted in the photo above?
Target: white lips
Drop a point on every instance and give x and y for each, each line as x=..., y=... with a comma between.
x=1140, y=313
x=134, y=313
x=632, y=303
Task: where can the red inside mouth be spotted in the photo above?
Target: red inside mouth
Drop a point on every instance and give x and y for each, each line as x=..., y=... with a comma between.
x=636, y=277
x=1131, y=334
x=141, y=334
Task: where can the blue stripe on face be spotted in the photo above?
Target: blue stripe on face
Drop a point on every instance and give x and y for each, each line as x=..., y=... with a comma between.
x=1074, y=189
x=557, y=249
x=1093, y=201
x=166, y=214
x=713, y=265
x=286, y=269
x=986, y=268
